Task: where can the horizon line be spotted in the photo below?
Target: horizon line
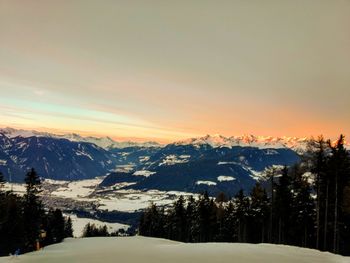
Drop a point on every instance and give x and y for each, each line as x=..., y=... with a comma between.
x=86, y=134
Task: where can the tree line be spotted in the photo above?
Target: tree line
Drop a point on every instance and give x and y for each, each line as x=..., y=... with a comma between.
x=92, y=230
x=25, y=225
x=306, y=205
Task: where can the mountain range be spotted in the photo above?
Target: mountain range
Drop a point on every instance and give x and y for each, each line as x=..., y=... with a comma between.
x=53, y=158
x=295, y=143
x=103, y=142
x=213, y=163
x=199, y=168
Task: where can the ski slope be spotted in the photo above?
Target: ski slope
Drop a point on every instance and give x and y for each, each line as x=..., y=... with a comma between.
x=152, y=250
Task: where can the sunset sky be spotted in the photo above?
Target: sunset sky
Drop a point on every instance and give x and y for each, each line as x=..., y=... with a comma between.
x=168, y=70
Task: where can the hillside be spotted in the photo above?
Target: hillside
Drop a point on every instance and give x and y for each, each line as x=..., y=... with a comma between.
x=141, y=249
x=196, y=169
x=53, y=158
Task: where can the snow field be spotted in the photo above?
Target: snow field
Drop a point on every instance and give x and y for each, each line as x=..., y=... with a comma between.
x=151, y=250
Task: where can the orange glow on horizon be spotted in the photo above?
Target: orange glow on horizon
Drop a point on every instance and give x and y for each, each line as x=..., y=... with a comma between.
x=233, y=71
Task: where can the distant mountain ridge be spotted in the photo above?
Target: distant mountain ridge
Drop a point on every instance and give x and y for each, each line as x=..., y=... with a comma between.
x=212, y=163
x=103, y=142
x=262, y=142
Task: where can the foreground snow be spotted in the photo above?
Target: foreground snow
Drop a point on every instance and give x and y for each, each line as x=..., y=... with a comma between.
x=152, y=250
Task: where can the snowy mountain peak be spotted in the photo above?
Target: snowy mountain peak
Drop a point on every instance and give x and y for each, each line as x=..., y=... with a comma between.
x=11, y=133
x=247, y=140
x=103, y=142
x=262, y=142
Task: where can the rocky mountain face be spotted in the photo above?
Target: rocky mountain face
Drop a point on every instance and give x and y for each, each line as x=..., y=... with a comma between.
x=53, y=158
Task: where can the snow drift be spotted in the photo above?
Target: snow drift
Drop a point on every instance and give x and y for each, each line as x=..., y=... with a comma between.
x=152, y=250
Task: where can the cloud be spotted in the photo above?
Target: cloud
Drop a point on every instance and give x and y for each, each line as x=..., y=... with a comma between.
x=40, y=92
x=178, y=70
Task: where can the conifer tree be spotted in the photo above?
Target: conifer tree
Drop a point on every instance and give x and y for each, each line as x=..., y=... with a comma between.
x=32, y=209
x=87, y=232
x=339, y=165
x=259, y=214
x=68, y=228
x=270, y=175
x=102, y=231
x=152, y=222
x=177, y=220
x=220, y=219
x=302, y=212
x=57, y=224
x=12, y=234
x=241, y=203
x=191, y=220
x=2, y=182
x=230, y=233
x=213, y=220
x=283, y=202
x=204, y=217
x=23, y=221
x=319, y=169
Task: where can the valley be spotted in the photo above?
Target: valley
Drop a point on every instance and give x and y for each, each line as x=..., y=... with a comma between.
x=85, y=201
x=97, y=180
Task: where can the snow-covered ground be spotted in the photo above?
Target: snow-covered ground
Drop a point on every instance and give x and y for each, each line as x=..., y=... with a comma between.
x=17, y=188
x=113, y=199
x=174, y=159
x=133, y=200
x=152, y=250
x=79, y=224
x=110, y=198
x=205, y=182
x=224, y=178
x=144, y=173
x=77, y=189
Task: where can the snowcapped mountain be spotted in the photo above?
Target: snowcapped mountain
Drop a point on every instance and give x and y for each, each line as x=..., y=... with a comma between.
x=262, y=142
x=53, y=158
x=103, y=142
x=11, y=133
x=297, y=144
x=107, y=142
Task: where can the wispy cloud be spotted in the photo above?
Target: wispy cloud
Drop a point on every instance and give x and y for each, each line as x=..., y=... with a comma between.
x=123, y=68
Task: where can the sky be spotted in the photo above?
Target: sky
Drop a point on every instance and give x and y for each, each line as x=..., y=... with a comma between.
x=169, y=70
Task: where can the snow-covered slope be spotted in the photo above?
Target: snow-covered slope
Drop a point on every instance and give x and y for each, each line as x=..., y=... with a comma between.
x=54, y=158
x=152, y=250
